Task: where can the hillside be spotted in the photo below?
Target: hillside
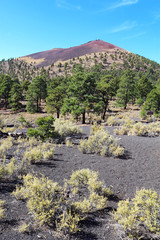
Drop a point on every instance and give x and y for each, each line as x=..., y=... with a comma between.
x=46, y=58
x=63, y=61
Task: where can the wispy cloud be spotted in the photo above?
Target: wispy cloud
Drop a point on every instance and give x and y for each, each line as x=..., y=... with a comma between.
x=157, y=16
x=135, y=36
x=65, y=4
x=124, y=26
x=122, y=3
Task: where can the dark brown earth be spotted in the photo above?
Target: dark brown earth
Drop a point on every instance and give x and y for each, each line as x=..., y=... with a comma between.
x=140, y=167
x=63, y=54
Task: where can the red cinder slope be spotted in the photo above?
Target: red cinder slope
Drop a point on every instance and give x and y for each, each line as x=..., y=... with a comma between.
x=64, y=54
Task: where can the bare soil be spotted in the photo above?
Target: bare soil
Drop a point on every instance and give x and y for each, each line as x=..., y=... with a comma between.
x=140, y=167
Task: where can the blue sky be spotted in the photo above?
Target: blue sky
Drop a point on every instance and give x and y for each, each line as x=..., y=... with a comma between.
x=29, y=26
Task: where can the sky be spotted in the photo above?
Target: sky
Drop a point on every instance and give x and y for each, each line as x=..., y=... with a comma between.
x=30, y=26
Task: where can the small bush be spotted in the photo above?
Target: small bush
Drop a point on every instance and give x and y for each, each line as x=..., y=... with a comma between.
x=45, y=129
x=69, y=143
x=121, y=131
x=1, y=122
x=1, y=208
x=24, y=228
x=140, y=217
x=101, y=143
x=5, y=145
x=33, y=155
x=23, y=122
x=31, y=142
x=128, y=122
x=43, y=197
x=8, y=169
x=96, y=127
x=3, y=171
x=66, y=128
x=36, y=154
x=47, y=151
x=113, y=121
x=140, y=129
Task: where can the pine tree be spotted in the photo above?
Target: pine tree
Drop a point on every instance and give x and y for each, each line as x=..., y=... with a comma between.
x=126, y=91
x=56, y=92
x=15, y=96
x=37, y=91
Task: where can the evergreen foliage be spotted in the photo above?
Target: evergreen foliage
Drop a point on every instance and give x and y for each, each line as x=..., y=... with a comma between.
x=126, y=91
x=5, y=88
x=37, y=91
x=80, y=94
x=45, y=128
x=15, y=96
x=105, y=89
x=152, y=102
x=56, y=93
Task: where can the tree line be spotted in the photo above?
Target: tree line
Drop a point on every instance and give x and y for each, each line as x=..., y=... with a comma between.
x=83, y=92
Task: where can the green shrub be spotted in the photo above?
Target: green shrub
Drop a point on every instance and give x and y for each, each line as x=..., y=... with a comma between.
x=139, y=102
x=45, y=128
x=33, y=133
x=101, y=143
x=143, y=113
x=63, y=207
x=140, y=217
x=23, y=122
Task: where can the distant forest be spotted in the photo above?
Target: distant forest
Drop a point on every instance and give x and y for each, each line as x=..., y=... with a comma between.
x=81, y=85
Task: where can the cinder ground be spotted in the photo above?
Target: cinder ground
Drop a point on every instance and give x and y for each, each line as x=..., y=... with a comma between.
x=139, y=168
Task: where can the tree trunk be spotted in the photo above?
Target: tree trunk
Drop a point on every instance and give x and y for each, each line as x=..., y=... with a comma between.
x=58, y=113
x=83, y=118
x=104, y=113
x=37, y=105
x=105, y=109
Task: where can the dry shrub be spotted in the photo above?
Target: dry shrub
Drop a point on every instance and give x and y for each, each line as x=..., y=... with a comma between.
x=140, y=217
x=113, y=121
x=140, y=129
x=63, y=207
x=1, y=208
x=100, y=142
x=66, y=128
x=37, y=153
x=5, y=145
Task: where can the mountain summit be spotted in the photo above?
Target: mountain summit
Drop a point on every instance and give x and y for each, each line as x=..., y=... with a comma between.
x=46, y=58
